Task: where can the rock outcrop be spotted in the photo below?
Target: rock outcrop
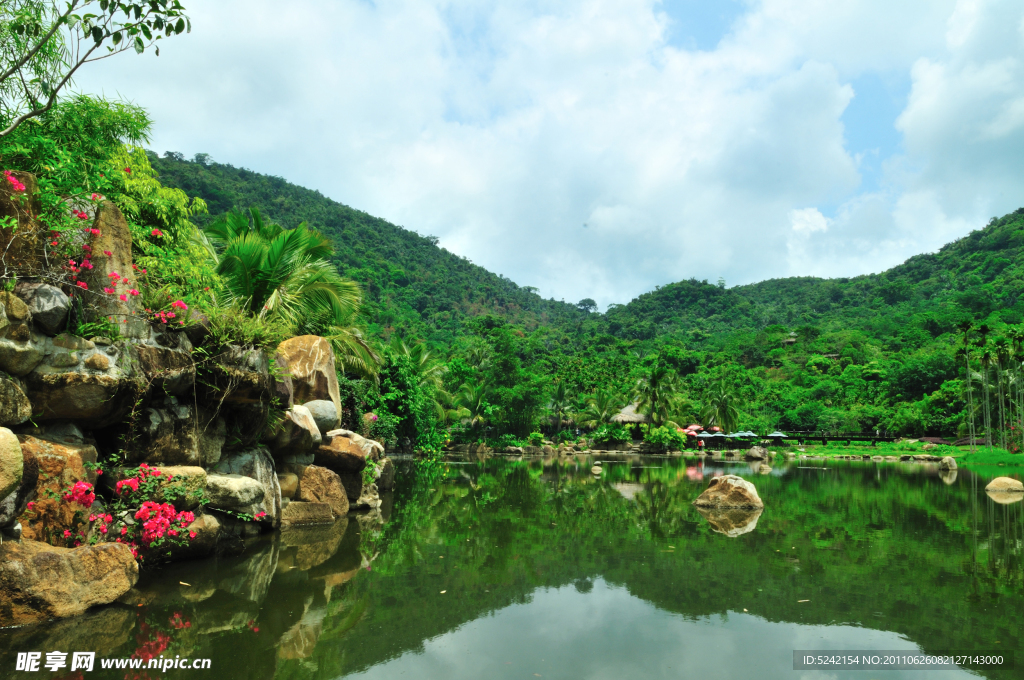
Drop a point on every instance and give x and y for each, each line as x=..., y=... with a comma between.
x=257, y=464
x=308, y=373
x=320, y=485
x=40, y=582
x=729, y=491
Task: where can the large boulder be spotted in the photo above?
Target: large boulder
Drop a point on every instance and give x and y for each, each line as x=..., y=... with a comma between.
x=232, y=492
x=757, y=453
x=302, y=513
x=172, y=371
x=48, y=304
x=40, y=582
x=21, y=349
x=353, y=483
x=71, y=385
x=59, y=467
x=346, y=451
x=238, y=375
x=15, y=407
x=257, y=464
x=325, y=413
x=947, y=463
x=13, y=504
x=1006, y=484
x=307, y=371
x=115, y=238
x=729, y=491
x=167, y=435
x=320, y=485
x=11, y=463
x=297, y=433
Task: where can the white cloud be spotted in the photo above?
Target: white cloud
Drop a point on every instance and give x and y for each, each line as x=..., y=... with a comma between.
x=503, y=128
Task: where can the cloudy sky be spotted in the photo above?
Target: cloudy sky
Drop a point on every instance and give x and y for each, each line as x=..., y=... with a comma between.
x=598, y=148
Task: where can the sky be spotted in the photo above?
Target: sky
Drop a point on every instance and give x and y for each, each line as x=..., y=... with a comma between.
x=600, y=148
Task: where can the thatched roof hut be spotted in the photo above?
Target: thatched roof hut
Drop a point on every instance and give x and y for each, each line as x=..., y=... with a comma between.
x=629, y=416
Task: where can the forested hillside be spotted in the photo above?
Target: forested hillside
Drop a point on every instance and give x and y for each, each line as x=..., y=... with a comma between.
x=412, y=286
x=846, y=354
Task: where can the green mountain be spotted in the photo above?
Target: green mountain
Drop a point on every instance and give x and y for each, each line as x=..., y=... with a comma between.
x=802, y=353
x=413, y=287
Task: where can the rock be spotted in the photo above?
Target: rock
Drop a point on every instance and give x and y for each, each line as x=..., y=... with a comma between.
x=21, y=350
x=320, y=485
x=98, y=362
x=948, y=463
x=232, y=492
x=213, y=432
x=24, y=246
x=729, y=491
x=368, y=498
x=48, y=305
x=385, y=474
x=170, y=370
x=258, y=464
x=167, y=435
x=15, y=308
x=325, y=413
x=238, y=375
x=307, y=367
x=15, y=407
x=69, y=393
x=300, y=513
x=289, y=484
x=14, y=503
x=59, y=466
x=341, y=454
x=11, y=463
x=732, y=522
x=114, y=238
x=40, y=582
x=298, y=432
x=1005, y=484
x=757, y=453
x=353, y=483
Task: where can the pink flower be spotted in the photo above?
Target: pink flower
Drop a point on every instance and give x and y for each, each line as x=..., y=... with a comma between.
x=114, y=275
x=109, y=291
x=103, y=529
x=108, y=253
x=123, y=297
x=133, y=292
x=179, y=304
x=95, y=197
x=156, y=232
x=191, y=534
x=82, y=284
x=82, y=494
x=31, y=505
x=83, y=216
x=67, y=534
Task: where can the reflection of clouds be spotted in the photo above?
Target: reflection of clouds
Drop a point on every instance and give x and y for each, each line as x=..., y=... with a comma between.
x=608, y=634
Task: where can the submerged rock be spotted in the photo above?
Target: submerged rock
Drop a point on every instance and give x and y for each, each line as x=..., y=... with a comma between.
x=731, y=521
x=756, y=453
x=39, y=581
x=729, y=491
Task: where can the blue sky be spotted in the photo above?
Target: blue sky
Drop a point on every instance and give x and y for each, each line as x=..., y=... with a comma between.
x=744, y=139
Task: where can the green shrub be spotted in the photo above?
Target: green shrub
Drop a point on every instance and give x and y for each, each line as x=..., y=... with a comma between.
x=611, y=433
x=536, y=439
x=667, y=437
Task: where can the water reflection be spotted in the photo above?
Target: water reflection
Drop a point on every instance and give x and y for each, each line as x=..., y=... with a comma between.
x=505, y=569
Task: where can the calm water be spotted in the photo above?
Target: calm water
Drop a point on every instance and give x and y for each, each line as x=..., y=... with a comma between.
x=505, y=569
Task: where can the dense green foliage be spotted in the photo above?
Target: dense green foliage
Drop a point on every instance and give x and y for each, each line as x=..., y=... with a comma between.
x=876, y=352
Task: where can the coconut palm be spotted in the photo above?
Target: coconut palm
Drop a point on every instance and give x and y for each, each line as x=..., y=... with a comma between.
x=722, y=408
x=965, y=327
x=473, y=399
x=655, y=393
x=601, y=407
x=559, y=403
x=429, y=369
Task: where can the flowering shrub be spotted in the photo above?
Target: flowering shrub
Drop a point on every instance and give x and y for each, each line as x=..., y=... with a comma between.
x=15, y=182
x=82, y=494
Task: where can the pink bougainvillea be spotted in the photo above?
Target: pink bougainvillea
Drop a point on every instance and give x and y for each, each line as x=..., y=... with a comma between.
x=15, y=182
x=81, y=493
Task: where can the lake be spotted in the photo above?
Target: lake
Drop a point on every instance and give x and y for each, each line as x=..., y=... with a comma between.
x=537, y=568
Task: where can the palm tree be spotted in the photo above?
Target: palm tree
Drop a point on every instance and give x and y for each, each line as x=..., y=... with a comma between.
x=1017, y=339
x=722, y=409
x=447, y=407
x=285, y=273
x=986, y=362
x=965, y=327
x=655, y=393
x=601, y=407
x=1001, y=354
x=473, y=399
x=559, y=403
x=429, y=369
